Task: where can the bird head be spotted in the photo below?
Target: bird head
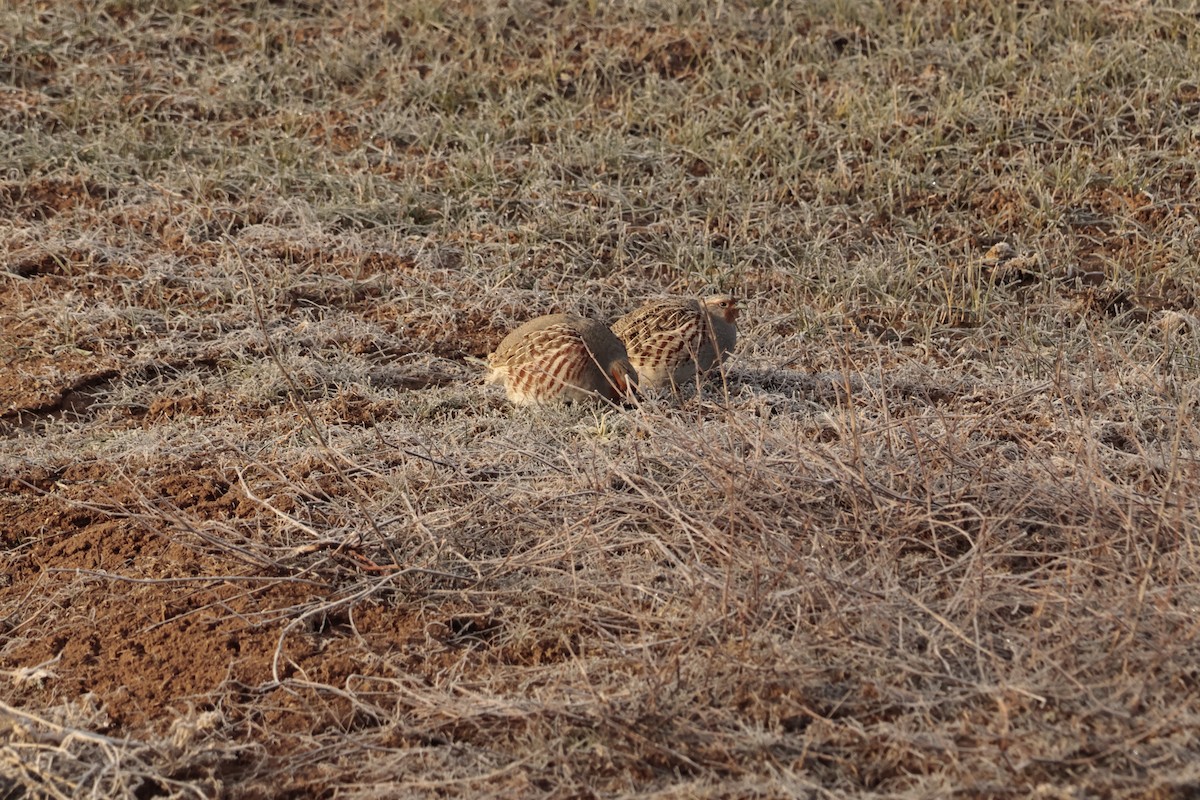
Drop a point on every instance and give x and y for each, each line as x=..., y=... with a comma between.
x=724, y=306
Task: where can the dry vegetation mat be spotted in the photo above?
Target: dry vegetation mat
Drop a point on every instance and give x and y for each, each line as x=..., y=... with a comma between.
x=264, y=533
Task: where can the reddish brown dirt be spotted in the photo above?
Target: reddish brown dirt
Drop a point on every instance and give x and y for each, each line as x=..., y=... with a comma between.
x=105, y=574
x=149, y=621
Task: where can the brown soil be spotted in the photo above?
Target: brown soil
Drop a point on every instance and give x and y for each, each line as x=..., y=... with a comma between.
x=101, y=560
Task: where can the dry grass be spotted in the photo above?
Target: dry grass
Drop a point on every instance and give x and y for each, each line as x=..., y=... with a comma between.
x=267, y=535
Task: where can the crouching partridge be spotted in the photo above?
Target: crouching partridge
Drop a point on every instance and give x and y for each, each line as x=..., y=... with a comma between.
x=562, y=358
x=670, y=340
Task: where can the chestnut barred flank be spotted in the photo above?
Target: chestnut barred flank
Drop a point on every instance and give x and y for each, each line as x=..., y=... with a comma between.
x=671, y=340
x=562, y=358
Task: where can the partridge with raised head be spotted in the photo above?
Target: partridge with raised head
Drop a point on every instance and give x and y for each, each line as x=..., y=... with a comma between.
x=670, y=340
x=562, y=358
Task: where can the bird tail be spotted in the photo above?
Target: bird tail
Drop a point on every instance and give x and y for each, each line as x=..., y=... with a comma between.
x=491, y=374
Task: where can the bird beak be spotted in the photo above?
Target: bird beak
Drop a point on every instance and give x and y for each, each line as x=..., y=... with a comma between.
x=621, y=381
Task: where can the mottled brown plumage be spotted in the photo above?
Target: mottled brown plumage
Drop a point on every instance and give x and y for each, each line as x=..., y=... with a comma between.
x=562, y=358
x=670, y=340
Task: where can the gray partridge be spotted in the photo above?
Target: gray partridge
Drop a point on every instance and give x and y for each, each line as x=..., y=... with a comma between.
x=561, y=358
x=670, y=340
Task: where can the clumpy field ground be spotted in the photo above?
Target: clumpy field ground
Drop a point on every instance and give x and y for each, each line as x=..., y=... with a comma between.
x=264, y=533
